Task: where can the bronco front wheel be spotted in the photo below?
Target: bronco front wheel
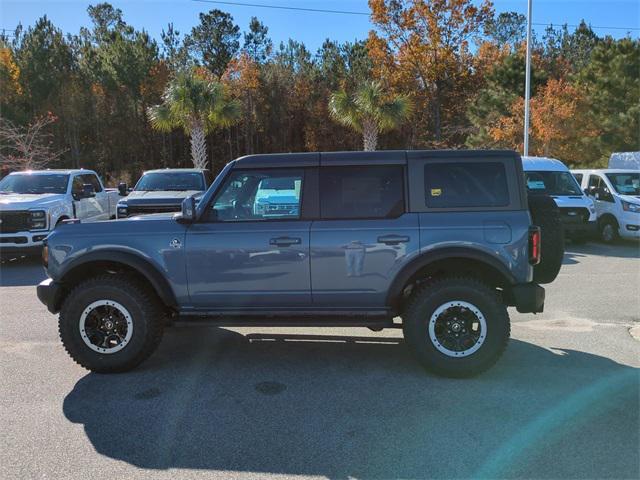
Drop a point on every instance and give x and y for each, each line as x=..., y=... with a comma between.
x=110, y=324
x=458, y=327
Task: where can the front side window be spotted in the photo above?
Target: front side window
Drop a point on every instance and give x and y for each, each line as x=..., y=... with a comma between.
x=36, y=184
x=594, y=181
x=465, y=184
x=250, y=195
x=578, y=177
x=552, y=183
x=92, y=180
x=625, y=183
x=361, y=192
x=170, y=181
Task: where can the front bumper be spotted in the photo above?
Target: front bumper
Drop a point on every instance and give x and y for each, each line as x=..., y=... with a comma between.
x=527, y=297
x=50, y=294
x=584, y=230
x=22, y=241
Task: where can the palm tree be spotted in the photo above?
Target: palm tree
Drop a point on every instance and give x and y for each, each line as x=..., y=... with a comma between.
x=370, y=111
x=196, y=105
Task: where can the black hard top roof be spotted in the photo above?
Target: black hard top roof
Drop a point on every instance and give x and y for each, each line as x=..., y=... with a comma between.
x=381, y=157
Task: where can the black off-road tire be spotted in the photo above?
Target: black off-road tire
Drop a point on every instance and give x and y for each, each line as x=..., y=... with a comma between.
x=428, y=298
x=545, y=214
x=608, y=230
x=147, y=316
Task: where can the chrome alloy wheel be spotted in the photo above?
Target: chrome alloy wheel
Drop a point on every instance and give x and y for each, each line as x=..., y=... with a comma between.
x=457, y=328
x=106, y=326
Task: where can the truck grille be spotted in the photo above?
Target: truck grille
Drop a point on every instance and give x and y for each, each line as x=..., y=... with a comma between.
x=146, y=209
x=12, y=222
x=574, y=214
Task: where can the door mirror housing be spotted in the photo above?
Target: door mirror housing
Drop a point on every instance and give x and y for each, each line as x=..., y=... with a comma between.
x=188, y=211
x=122, y=189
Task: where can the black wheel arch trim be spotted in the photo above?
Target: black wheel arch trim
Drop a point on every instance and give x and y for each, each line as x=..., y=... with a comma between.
x=143, y=266
x=423, y=260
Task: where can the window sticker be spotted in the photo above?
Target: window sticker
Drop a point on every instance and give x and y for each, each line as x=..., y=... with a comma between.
x=535, y=185
x=436, y=192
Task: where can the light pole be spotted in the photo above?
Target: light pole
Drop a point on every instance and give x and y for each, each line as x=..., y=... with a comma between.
x=527, y=82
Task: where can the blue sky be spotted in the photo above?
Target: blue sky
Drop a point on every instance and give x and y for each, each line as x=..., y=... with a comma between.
x=310, y=28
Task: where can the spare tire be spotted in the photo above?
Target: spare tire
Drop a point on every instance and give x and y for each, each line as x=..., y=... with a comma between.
x=545, y=214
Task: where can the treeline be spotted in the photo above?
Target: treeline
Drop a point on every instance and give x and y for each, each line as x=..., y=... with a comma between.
x=461, y=65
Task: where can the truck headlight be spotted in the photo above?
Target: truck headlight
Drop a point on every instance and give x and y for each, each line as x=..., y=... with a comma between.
x=122, y=211
x=38, y=220
x=630, y=207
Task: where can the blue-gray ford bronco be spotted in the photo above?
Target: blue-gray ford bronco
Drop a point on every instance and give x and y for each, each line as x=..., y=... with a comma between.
x=438, y=243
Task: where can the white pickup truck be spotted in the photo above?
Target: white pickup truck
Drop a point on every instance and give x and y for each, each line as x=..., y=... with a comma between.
x=32, y=203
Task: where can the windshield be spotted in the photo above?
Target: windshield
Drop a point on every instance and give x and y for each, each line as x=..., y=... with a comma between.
x=36, y=184
x=625, y=183
x=552, y=183
x=178, y=181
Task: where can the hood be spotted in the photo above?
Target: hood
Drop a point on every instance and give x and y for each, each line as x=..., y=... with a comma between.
x=572, y=201
x=161, y=197
x=630, y=198
x=26, y=201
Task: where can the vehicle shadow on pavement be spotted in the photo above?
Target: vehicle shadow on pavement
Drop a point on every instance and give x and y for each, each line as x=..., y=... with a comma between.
x=21, y=272
x=621, y=249
x=346, y=407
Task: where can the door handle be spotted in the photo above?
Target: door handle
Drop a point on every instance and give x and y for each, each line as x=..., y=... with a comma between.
x=284, y=241
x=393, y=239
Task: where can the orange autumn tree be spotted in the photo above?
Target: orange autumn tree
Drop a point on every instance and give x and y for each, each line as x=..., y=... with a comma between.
x=424, y=45
x=556, y=128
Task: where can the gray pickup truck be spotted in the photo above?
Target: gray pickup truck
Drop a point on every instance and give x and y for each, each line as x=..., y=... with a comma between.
x=438, y=243
x=162, y=191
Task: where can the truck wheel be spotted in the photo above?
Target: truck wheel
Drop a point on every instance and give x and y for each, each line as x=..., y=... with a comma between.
x=545, y=214
x=608, y=230
x=458, y=327
x=110, y=324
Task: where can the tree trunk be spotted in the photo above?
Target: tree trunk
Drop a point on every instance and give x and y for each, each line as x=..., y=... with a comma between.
x=198, y=144
x=369, y=135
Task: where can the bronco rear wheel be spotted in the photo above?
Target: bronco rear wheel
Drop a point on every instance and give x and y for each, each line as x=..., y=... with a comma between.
x=458, y=327
x=110, y=324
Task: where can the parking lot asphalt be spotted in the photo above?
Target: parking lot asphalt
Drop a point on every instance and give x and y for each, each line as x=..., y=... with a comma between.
x=563, y=402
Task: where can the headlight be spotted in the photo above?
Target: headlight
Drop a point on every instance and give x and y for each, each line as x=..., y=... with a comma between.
x=38, y=220
x=630, y=207
x=122, y=211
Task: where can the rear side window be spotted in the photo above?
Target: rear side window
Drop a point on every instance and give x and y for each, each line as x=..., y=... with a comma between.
x=361, y=192
x=465, y=184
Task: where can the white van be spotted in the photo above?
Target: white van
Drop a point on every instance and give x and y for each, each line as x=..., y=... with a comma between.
x=616, y=194
x=552, y=177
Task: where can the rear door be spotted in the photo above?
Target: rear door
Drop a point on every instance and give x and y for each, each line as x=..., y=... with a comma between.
x=364, y=235
x=252, y=248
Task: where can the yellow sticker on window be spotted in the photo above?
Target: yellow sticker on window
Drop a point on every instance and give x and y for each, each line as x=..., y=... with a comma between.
x=436, y=192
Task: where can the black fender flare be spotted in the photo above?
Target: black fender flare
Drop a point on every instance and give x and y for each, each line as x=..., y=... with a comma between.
x=141, y=265
x=424, y=259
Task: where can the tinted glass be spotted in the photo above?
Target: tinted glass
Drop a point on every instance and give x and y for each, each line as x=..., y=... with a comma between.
x=92, y=180
x=170, y=181
x=578, y=177
x=361, y=192
x=552, y=183
x=465, y=184
x=260, y=195
x=594, y=181
x=625, y=183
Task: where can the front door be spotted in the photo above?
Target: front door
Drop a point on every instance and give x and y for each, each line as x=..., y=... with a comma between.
x=252, y=248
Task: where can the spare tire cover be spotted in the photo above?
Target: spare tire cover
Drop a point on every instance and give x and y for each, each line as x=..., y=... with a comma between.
x=546, y=215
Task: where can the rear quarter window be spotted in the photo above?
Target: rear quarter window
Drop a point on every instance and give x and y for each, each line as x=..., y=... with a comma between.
x=465, y=184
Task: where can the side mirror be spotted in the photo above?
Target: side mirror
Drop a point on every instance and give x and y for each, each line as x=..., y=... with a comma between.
x=122, y=189
x=188, y=211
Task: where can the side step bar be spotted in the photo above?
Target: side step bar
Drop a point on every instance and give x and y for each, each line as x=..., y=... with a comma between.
x=375, y=323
